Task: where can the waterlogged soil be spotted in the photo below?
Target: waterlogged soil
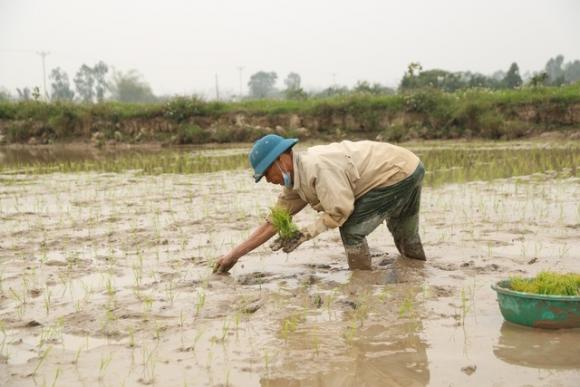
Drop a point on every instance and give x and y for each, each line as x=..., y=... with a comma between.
x=106, y=280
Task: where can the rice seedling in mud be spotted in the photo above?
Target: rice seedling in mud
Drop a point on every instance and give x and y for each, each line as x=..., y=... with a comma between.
x=548, y=283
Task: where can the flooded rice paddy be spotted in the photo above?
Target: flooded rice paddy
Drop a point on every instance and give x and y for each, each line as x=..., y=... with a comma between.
x=105, y=275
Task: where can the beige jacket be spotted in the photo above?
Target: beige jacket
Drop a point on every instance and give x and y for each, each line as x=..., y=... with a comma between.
x=331, y=177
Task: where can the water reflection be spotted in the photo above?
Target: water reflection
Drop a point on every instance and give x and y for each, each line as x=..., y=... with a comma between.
x=538, y=348
x=388, y=349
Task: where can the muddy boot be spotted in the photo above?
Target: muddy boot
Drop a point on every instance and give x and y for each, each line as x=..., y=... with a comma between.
x=413, y=250
x=358, y=257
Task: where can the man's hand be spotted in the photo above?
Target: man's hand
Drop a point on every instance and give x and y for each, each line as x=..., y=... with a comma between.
x=277, y=244
x=224, y=264
x=289, y=245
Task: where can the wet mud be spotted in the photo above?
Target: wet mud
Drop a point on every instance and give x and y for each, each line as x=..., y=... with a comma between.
x=106, y=280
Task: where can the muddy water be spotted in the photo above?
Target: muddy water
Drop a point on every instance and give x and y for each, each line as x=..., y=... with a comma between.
x=106, y=280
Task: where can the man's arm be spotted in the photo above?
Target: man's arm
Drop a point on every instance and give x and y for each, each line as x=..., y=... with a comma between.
x=257, y=238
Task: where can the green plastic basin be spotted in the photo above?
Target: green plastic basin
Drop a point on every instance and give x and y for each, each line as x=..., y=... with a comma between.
x=537, y=310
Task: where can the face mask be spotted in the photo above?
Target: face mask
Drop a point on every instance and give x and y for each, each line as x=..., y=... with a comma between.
x=286, y=176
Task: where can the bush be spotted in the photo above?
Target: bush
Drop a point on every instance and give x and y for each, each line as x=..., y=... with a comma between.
x=191, y=134
x=19, y=132
x=395, y=133
x=64, y=123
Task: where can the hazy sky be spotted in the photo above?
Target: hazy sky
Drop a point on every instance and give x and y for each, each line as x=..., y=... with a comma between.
x=179, y=45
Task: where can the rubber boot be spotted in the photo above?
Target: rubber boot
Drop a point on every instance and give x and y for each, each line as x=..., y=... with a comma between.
x=413, y=250
x=358, y=256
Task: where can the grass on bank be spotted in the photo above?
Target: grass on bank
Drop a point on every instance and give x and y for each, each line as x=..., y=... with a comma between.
x=180, y=108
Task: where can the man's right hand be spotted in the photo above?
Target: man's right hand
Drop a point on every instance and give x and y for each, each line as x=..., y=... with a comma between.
x=224, y=264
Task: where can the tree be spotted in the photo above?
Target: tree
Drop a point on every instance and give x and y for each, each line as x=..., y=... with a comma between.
x=512, y=78
x=333, y=91
x=261, y=84
x=292, y=81
x=409, y=80
x=538, y=80
x=60, y=85
x=554, y=70
x=364, y=87
x=5, y=94
x=24, y=94
x=572, y=71
x=293, y=89
x=130, y=87
x=99, y=72
x=90, y=82
x=84, y=83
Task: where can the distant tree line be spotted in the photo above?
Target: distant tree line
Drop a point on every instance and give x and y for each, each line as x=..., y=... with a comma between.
x=91, y=84
x=555, y=73
x=96, y=83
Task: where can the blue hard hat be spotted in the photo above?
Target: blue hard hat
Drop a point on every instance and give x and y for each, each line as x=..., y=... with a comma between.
x=266, y=150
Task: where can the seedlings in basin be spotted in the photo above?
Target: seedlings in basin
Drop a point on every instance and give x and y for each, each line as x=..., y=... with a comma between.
x=549, y=283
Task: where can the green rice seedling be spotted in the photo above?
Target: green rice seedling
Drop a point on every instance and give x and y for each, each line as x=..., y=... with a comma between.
x=104, y=364
x=549, y=283
x=407, y=307
x=170, y=290
x=465, y=306
x=290, y=324
x=56, y=375
x=225, y=330
x=350, y=331
x=200, y=302
x=131, y=337
x=147, y=304
x=282, y=222
x=266, y=361
x=47, y=301
x=77, y=356
x=4, y=337
x=42, y=358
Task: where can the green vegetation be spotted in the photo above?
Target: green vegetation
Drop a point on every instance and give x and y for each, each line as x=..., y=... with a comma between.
x=149, y=164
x=548, y=282
x=282, y=222
x=445, y=162
x=426, y=114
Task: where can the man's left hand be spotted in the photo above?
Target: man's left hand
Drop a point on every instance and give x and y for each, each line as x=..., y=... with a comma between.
x=291, y=244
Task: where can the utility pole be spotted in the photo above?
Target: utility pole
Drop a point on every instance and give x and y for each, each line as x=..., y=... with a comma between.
x=240, y=69
x=333, y=79
x=217, y=88
x=43, y=55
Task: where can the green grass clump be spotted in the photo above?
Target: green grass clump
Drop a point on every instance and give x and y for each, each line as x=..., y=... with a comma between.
x=282, y=222
x=550, y=283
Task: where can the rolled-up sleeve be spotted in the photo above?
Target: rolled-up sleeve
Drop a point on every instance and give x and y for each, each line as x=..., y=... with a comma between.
x=336, y=199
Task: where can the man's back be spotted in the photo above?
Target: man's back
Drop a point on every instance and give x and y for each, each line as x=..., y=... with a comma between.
x=366, y=164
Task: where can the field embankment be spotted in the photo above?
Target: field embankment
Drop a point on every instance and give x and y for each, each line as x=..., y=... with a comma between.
x=422, y=115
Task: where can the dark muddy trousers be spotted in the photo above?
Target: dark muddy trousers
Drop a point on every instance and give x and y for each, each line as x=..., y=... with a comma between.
x=397, y=205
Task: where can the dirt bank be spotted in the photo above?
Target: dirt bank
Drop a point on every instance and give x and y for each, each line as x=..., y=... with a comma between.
x=421, y=115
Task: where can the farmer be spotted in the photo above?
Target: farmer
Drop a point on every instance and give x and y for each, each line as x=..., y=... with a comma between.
x=354, y=185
